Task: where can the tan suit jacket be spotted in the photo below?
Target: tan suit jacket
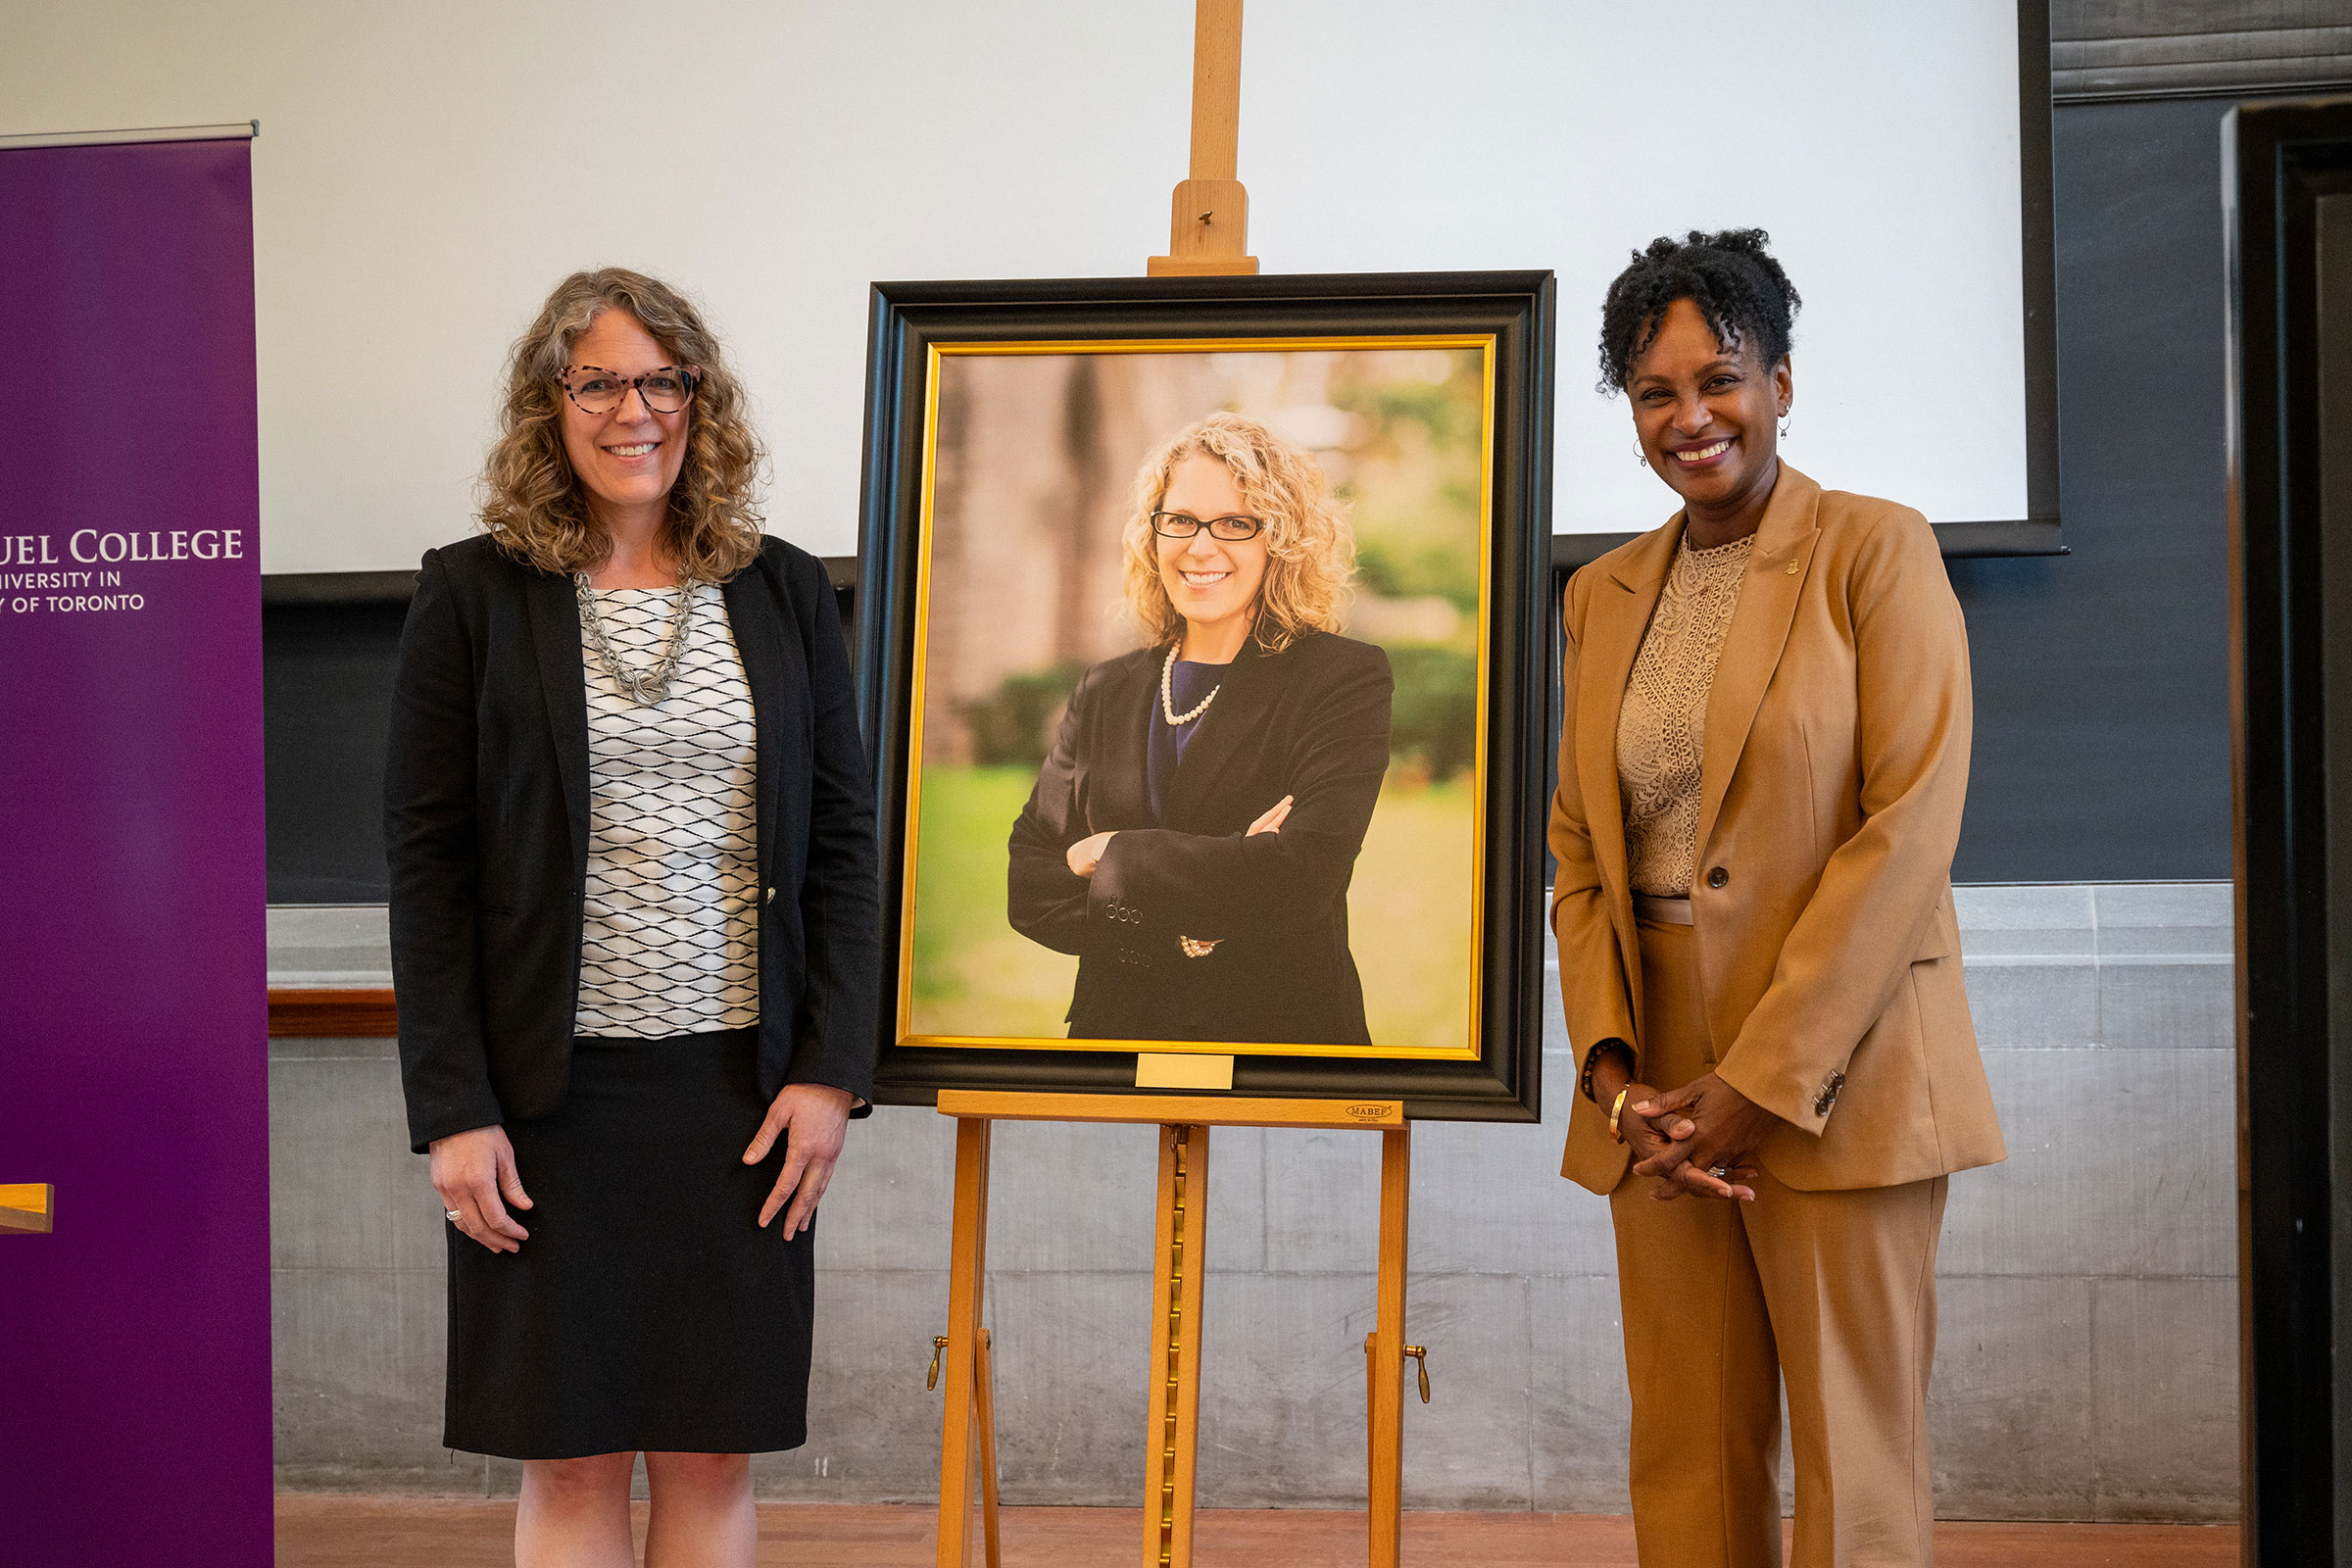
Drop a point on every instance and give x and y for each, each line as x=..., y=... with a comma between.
x=1834, y=769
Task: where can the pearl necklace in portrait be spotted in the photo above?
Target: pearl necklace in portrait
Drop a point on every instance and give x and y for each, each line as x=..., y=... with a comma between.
x=1167, y=693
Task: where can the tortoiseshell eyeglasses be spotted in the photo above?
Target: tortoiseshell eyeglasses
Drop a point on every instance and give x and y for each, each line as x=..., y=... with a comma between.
x=599, y=391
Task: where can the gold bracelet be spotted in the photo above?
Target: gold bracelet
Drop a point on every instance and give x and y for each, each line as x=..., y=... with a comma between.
x=1617, y=1109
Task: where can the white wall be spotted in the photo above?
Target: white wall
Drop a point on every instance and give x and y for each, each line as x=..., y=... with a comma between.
x=427, y=170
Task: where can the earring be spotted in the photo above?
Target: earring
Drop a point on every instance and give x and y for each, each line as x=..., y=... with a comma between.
x=1641, y=456
x=1783, y=427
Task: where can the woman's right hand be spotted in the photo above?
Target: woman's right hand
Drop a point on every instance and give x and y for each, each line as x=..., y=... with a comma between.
x=474, y=1173
x=1272, y=820
x=1644, y=1135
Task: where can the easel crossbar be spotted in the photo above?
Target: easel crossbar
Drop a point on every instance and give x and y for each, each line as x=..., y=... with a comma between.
x=1200, y=1110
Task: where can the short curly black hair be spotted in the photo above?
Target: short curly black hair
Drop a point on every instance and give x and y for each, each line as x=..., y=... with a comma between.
x=1729, y=276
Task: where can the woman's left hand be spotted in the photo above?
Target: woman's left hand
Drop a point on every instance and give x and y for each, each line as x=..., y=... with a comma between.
x=813, y=1120
x=1087, y=853
x=1726, y=1126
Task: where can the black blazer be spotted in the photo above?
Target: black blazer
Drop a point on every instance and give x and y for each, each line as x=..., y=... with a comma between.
x=1312, y=723
x=486, y=829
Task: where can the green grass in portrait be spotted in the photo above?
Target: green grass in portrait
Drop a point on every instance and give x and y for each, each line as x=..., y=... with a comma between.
x=1408, y=914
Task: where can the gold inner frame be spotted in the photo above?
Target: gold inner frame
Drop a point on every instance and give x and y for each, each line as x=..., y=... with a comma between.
x=1485, y=343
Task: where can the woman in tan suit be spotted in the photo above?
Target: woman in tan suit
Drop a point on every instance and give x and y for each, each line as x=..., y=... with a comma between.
x=1763, y=758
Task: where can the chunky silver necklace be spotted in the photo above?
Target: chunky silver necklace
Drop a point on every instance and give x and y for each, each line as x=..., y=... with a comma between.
x=643, y=688
x=1167, y=693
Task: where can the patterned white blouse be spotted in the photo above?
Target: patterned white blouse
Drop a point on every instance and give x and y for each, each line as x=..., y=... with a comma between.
x=1662, y=726
x=671, y=935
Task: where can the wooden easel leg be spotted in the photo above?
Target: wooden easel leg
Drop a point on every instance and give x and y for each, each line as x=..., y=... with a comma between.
x=985, y=1415
x=1387, y=1348
x=966, y=1450
x=1179, y=1255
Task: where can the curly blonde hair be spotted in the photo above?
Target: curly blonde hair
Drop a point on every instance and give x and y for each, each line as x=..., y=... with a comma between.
x=1310, y=549
x=532, y=502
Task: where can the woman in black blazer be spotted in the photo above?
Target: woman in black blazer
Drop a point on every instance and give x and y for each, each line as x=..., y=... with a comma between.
x=634, y=934
x=1192, y=833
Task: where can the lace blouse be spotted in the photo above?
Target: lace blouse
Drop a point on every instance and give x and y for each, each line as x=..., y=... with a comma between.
x=1661, y=728
x=672, y=929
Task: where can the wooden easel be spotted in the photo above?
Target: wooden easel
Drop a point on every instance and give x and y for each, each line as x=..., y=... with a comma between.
x=1208, y=235
x=1208, y=221
x=27, y=1207
x=967, y=1449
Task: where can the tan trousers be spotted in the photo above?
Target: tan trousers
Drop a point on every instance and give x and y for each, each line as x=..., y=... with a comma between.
x=1834, y=1290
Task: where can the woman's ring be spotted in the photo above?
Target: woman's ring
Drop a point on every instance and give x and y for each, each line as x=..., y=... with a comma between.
x=454, y=1215
x=1719, y=1172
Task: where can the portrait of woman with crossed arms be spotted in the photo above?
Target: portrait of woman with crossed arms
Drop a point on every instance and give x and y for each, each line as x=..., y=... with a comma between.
x=1194, y=828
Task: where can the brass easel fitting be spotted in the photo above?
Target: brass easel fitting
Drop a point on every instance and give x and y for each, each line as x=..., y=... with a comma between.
x=939, y=1348
x=1417, y=1354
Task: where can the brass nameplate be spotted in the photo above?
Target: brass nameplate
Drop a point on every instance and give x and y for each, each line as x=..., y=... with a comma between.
x=1159, y=1069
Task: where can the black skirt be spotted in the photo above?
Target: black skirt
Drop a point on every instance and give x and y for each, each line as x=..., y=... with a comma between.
x=648, y=1310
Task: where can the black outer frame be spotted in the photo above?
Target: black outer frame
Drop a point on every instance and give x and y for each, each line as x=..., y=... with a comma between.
x=907, y=319
x=2294, y=1101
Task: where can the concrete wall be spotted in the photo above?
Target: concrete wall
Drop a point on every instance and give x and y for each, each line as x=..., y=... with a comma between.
x=2087, y=1353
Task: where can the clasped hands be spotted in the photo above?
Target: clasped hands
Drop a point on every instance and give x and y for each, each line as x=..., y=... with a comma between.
x=1683, y=1136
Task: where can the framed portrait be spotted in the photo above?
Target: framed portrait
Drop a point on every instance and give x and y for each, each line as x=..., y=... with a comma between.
x=1203, y=640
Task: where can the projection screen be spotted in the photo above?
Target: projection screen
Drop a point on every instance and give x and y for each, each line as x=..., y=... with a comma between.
x=425, y=172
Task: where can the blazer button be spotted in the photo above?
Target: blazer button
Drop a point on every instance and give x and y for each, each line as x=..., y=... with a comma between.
x=1717, y=876
x=1829, y=1094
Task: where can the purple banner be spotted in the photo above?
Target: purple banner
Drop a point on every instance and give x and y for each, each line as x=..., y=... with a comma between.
x=134, y=1339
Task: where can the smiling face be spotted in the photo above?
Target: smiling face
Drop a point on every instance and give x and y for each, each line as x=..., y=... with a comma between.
x=1705, y=416
x=628, y=459
x=1213, y=583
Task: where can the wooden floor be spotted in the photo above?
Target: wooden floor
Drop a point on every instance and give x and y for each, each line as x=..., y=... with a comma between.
x=322, y=1532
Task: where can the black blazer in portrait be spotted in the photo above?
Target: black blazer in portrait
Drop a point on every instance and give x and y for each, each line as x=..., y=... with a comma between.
x=486, y=831
x=1312, y=722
